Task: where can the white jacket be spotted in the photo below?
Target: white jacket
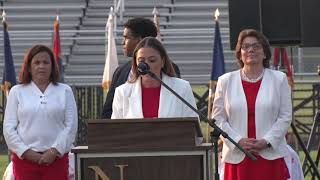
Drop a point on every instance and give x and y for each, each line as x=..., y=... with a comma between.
x=127, y=101
x=273, y=113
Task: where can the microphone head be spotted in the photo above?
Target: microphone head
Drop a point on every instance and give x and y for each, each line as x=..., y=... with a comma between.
x=143, y=68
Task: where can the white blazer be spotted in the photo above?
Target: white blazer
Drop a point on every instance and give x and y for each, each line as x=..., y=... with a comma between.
x=273, y=113
x=127, y=102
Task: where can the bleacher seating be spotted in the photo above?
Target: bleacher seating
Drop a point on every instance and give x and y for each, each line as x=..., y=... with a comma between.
x=178, y=35
x=31, y=22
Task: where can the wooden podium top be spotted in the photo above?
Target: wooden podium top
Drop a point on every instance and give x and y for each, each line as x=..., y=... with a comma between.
x=86, y=149
x=144, y=134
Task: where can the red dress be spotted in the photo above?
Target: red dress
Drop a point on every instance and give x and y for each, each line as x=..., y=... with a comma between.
x=262, y=169
x=150, y=102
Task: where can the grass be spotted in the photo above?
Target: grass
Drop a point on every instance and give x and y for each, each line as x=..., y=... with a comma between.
x=3, y=164
x=313, y=155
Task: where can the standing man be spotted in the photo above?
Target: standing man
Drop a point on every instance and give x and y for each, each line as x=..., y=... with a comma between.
x=134, y=31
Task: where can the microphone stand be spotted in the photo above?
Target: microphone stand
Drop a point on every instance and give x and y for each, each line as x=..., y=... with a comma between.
x=214, y=139
x=216, y=132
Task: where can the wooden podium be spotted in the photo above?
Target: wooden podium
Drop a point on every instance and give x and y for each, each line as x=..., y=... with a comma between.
x=144, y=149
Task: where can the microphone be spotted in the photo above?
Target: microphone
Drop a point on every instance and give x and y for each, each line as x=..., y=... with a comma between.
x=143, y=68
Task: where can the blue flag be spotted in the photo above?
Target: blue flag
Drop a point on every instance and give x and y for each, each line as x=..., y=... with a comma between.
x=218, y=57
x=217, y=68
x=9, y=75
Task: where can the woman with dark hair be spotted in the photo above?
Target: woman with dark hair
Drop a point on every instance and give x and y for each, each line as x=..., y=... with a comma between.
x=143, y=96
x=253, y=105
x=40, y=121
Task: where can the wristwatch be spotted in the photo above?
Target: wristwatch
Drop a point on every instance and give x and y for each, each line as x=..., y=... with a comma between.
x=269, y=145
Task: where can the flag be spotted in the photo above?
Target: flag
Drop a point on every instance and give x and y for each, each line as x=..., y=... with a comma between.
x=9, y=74
x=111, y=53
x=217, y=68
x=57, y=47
x=156, y=21
x=282, y=53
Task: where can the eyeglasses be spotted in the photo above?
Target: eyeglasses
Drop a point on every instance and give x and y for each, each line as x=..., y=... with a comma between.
x=255, y=46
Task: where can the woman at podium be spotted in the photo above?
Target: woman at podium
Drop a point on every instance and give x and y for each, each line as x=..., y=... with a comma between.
x=143, y=96
x=253, y=105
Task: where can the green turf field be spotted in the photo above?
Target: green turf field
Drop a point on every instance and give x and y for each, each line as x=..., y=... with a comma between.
x=3, y=164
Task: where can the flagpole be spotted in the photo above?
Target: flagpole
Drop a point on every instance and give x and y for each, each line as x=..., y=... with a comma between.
x=6, y=90
x=212, y=83
x=4, y=86
x=156, y=21
x=7, y=93
x=3, y=16
x=56, y=46
x=9, y=75
x=111, y=59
